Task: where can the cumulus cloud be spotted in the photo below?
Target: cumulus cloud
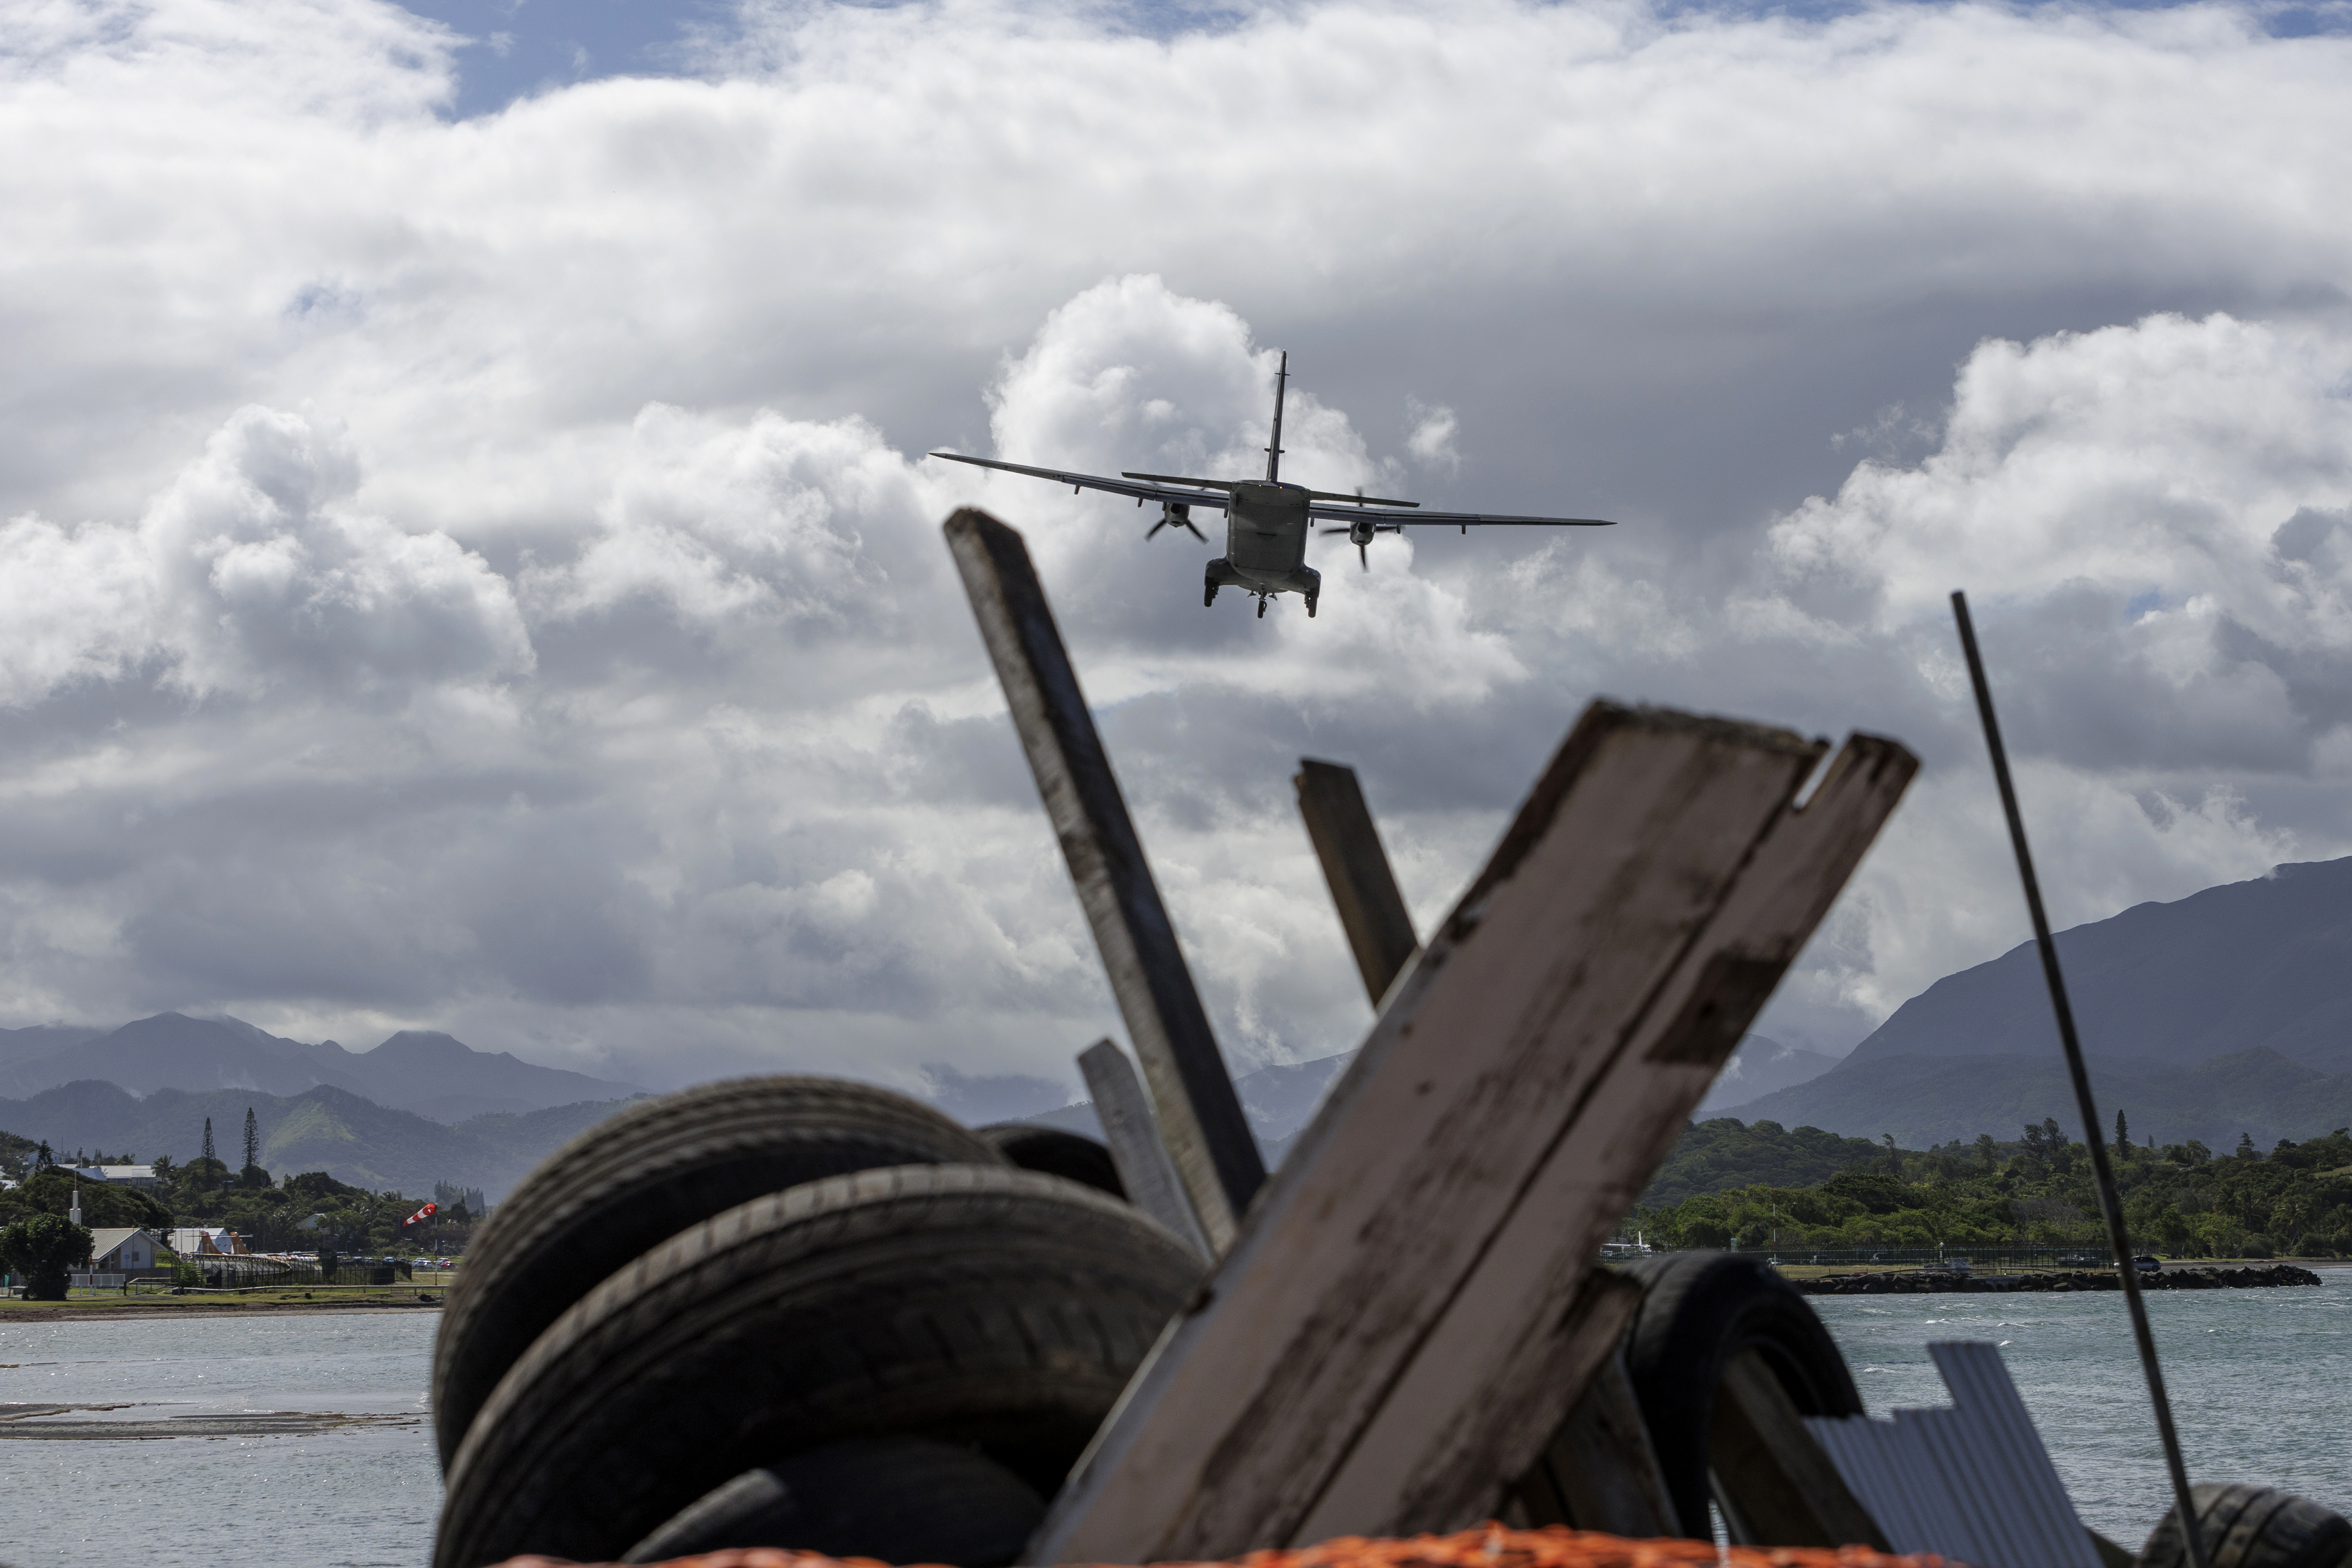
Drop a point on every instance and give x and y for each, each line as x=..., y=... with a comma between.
x=483, y=572
x=1432, y=441
x=2125, y=506
x=253, y=569
x=724, y=522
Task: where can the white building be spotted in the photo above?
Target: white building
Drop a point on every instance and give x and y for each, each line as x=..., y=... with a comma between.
x=195, y=1241
x=120, y=1251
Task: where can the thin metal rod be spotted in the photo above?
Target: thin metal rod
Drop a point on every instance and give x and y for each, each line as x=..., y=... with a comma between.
x=2110, y=1205
x=1200, y=1115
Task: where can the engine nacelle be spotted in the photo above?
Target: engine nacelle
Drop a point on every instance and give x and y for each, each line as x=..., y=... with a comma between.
x=1361, y=534
x=1176, y=513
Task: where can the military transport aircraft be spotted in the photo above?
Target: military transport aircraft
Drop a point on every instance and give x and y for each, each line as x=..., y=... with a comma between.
x=1266, y=520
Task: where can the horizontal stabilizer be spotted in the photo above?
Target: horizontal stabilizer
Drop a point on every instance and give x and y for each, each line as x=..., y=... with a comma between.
x=1354, y=497
x=1180, y=479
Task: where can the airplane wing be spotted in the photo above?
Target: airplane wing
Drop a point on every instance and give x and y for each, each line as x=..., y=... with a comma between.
x=1216, y=501
x=1350, y=512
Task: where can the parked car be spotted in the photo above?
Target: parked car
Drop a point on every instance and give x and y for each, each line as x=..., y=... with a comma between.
x=2148, y=1263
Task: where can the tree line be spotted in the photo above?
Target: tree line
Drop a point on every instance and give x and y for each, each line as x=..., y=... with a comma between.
x=2179, y=1201
x=309, y=1212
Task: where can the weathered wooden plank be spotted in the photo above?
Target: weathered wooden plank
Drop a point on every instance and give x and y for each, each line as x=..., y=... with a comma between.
x=1777, y=1486
x=1489, y=1383
x=1600, y=1471
x=1200, y=1115
x=1136, y=1150
x=1371, y=910
x=1323, y=1385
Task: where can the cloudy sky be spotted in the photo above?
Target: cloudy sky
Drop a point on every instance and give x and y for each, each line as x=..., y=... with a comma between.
x=466, y=559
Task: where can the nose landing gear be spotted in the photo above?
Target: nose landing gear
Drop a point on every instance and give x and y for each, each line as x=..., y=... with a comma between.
x=1260, y=606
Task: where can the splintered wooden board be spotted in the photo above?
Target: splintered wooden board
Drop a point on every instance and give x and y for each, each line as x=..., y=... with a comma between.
x=1403, y=1322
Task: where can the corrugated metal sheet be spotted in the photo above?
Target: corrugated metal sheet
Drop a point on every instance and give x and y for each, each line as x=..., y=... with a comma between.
x=1971, y=1480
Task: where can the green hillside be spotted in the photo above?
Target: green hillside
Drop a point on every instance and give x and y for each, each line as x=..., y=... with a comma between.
x=360, y=1143
x=532, y=1136
x=1718, y=1155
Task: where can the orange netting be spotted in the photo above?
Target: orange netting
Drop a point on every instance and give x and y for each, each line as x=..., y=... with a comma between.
x=1492, y=1547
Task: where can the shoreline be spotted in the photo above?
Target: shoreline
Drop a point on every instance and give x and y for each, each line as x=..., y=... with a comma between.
x=203, y=1307
x=2170, y=1278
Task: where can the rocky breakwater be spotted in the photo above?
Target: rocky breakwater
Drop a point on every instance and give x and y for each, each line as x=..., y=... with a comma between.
x=1938, y=1284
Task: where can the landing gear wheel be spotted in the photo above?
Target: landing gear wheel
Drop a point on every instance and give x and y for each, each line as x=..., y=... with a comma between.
x=1699, y=1311
x=1310, y=609
x=895, y=1499
x=628, y=1184
x=997, y=1309
x=1209, y=595
x=1260, y=606
x=2252, y=1527
x=1074, y=1155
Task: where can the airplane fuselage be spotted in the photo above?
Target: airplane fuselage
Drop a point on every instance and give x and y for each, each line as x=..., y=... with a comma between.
x=1266, y=522
x=1267, y=526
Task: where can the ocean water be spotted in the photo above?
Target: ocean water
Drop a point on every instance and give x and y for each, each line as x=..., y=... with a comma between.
x=2259, y=1380
x=359, y=1493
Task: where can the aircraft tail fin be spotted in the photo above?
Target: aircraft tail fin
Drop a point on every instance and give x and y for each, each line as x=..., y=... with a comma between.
x=1274, y=451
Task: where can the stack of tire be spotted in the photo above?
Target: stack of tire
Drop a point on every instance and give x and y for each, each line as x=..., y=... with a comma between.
x=790, y=1311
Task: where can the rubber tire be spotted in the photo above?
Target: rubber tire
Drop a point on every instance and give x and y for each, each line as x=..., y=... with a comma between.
x=1057, y=1153
x=895, y=1499
x=977, y=1305
x=2252, y=1527
x=1699, y=1311
x=628, y=1184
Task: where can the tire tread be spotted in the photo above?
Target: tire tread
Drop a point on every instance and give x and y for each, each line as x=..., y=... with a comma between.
x=1018, y=1305
x=623, y=1186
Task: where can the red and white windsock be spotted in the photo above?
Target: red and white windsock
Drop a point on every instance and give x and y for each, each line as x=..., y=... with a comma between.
x=420, y=1216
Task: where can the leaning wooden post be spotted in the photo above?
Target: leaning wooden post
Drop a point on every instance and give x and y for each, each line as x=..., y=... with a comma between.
x=1410, y=1310
x=1136, y=1149
x=1200, y=1115
x=1371, y=910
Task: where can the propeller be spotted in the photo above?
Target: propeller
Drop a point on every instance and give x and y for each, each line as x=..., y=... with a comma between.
x=1181, y=515
x=1361, y=534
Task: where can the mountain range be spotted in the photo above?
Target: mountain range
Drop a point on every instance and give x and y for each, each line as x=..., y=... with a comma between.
x=431, y=1074
x=1758, y=1067
x=1280, y=1100
x=324, y=1128
x=2228, y=1013
x=2225, y=1013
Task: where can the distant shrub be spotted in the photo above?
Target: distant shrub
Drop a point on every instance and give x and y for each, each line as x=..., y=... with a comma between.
x=2257, y=1245
x=43, y=1248
x=1707, y=1233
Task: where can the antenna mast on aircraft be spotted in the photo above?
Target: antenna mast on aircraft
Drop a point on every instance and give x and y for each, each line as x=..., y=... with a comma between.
x=1273, y=453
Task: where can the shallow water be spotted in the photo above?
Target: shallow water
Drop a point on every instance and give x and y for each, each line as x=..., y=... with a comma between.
x=2259, y=1378
x=360, y=1495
